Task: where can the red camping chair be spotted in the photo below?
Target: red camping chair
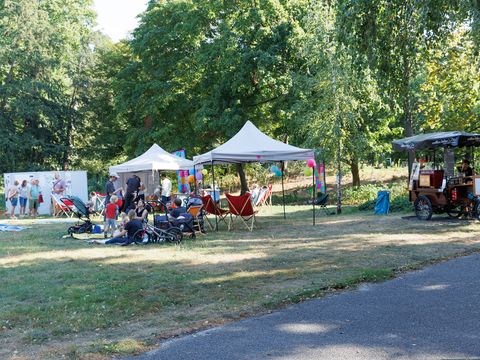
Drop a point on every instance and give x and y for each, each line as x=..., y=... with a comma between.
x=241, y=206
x=210, y=208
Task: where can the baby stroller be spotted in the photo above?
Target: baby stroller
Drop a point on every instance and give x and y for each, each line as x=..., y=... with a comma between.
x=82, y=212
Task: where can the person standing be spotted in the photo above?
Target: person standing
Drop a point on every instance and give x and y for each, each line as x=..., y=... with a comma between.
x=33, y=196
x=166, y=190
x=111, y=213
x=133, y=184
x=110, y=187
x=13, y=197
x=58, y=185
x=23, y=197
x=141, y=190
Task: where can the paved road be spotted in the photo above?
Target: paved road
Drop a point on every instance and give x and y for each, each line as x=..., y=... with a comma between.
x=429, y=314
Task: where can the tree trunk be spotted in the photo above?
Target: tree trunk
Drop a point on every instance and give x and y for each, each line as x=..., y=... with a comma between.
x=355, y=173
x=407, y=106
x=243, y=179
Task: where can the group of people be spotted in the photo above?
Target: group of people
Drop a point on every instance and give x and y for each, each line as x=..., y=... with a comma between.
x=24, y=193
x=130, y=207
x=31, y=193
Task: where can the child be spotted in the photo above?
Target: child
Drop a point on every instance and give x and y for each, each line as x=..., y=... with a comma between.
x=121, y=225
x=111, y=212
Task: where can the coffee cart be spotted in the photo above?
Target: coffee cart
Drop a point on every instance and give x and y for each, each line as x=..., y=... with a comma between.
x=441, y=189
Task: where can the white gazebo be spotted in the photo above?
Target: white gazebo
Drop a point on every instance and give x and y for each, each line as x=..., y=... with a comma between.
x=251, y=145
x=148, y=165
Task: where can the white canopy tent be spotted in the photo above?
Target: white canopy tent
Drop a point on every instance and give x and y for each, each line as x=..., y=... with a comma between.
x=149, y=164
x=251, y=145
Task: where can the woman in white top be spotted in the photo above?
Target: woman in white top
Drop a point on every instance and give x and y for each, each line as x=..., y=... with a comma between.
x=13, y=197
x=23, y=197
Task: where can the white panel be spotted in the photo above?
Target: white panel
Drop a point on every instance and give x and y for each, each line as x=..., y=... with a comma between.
x=477, y=186
x=75, y=184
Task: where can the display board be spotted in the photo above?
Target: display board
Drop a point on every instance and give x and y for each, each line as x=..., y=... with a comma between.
x=75, y=184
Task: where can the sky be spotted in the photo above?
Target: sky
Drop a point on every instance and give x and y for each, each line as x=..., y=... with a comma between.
x=117, y=18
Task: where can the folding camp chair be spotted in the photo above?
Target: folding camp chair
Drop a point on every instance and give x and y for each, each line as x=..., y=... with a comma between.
x=195, y=211
x=241, y=206
x=265, y=198
x=100, y=203
x=321, y=202
x=61, y=208
x=211, y=208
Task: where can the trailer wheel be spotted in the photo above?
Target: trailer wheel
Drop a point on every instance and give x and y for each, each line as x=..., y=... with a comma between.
x=454, y=212
x=423, y=208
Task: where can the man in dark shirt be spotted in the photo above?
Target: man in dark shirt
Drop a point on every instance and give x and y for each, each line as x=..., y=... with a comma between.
x=465, y=168
x=179, y=209
x=127, y=235
x=110, y=187
x=133, y=184
x=132, y=227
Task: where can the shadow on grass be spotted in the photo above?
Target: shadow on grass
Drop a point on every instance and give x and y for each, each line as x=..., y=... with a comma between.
x=62, y=288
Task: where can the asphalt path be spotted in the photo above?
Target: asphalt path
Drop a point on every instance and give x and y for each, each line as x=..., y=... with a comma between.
x=429, y=314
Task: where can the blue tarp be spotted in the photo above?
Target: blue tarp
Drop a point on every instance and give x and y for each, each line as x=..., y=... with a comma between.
x=6, y=227
x=383, y=203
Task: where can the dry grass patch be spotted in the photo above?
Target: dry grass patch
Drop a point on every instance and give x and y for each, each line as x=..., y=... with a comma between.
x=66, y=297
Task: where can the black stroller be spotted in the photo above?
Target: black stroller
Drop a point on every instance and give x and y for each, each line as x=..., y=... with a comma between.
x=81, y=210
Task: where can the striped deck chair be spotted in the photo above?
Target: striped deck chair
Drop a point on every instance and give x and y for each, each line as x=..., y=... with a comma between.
x=211, y=208
x=99, y=205
x=265, y=198
x=61, y=208
x=241, y=207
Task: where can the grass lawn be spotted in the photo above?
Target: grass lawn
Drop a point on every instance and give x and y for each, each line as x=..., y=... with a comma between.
x=64, y=297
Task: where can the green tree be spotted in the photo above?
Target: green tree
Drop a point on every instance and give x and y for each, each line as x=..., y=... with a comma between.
x=209, y=66
x=342, y=111
x=42, y=47
x=450, y=94
x=393, y=36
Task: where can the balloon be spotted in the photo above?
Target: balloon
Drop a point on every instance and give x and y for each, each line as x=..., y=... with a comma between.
x=199, y=176
x=179, y=187
x=205, y=172
x=308, y=171
x=311, y=163
x=182, y=180
x=191, y=172
x=191, y=178
x=274, y=169
x=278, y=173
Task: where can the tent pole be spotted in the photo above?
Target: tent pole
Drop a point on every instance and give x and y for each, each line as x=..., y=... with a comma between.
x=194, y=180
x=313, y=192
x=283, y=191
x=213, y=197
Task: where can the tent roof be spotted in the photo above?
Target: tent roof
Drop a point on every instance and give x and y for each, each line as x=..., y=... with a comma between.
x=437, y=139
x=154, y=158
x=252, y=145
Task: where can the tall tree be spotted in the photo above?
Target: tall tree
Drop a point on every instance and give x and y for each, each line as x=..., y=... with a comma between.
x=38, y=84
x=393, y=35
x=343, y=111
x=450, y=93
x=209, y=66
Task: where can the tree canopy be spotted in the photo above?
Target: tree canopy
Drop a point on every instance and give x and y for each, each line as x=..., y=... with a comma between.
x=347, y=76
